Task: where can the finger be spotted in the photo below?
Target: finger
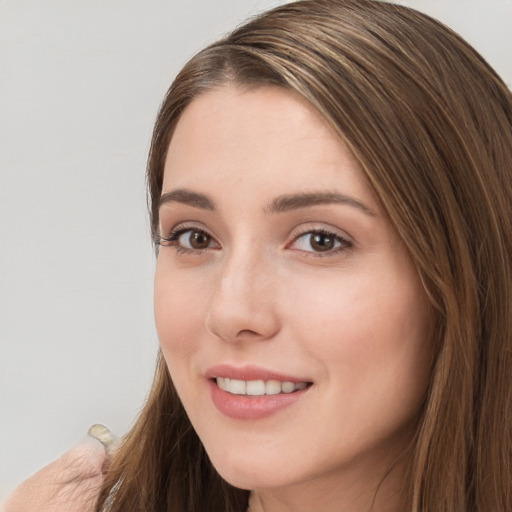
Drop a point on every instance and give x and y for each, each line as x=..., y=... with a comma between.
x=84, y=460
x=105, y=437
x=69, y=484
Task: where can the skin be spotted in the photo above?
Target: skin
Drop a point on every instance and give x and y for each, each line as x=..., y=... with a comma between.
x=69, y=484
x=353, y=320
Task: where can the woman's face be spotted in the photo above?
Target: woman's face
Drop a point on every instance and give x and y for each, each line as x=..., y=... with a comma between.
x=290, y=315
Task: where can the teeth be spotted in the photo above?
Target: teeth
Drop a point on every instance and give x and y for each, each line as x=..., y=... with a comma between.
x=272, y=387
x=255, y=387
x=287, y=387
x=258, y=387
x=238, y=387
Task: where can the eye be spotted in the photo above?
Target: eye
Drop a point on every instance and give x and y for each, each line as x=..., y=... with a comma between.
x=320, y=241
x=193, y=239
x=189, y=240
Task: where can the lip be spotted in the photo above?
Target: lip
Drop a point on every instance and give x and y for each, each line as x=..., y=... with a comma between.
x=241, y=407
x=250, y=372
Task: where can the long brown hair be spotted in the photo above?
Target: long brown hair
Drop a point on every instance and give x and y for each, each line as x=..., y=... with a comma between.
x=431, y=125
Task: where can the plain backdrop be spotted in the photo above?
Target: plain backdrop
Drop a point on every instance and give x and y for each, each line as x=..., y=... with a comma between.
x=80, y=84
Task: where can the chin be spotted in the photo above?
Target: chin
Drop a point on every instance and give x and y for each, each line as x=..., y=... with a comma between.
x=249, y=481
x=251, y=474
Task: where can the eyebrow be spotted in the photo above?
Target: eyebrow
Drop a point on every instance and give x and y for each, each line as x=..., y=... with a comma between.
x=286, y=203
x=281, y=204
x=188, y=197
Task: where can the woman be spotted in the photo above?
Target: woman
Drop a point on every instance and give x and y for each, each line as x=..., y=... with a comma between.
x=331, y=190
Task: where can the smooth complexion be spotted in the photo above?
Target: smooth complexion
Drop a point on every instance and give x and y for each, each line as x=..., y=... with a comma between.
x=277, y=263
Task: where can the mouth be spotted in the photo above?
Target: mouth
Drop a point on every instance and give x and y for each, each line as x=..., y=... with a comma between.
x=252, y=392
x=256, y=388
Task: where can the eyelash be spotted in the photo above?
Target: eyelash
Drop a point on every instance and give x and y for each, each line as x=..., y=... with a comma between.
x=345, y=244
x=172, y=240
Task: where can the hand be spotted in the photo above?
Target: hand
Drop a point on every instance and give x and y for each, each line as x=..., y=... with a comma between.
x=69, y=484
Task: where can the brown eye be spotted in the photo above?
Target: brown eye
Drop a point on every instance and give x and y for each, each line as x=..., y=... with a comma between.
x=189, y=240
x=321, y=242
x=197, y=240
x=316, y=242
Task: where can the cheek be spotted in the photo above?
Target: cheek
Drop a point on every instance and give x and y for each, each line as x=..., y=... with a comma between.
x=369, y=333
x=179, y=314
x=375, y=356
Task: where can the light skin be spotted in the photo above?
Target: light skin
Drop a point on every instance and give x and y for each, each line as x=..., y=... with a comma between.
x=277, y=254
x=71, y=483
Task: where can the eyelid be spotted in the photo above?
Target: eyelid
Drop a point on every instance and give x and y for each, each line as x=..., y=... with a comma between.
x=320, y=227
x=171, y=239
x=181, y=226
x=346, y=241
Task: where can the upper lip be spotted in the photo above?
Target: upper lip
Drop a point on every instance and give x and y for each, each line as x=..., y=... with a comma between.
x=250, y=372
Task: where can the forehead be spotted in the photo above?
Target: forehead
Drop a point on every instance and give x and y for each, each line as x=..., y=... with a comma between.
x=265, y=139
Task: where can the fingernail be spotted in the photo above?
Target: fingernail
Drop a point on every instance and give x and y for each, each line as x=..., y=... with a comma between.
x=102, y=434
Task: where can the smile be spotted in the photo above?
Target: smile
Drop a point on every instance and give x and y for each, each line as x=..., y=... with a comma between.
x=258, y=387
x=253, y=392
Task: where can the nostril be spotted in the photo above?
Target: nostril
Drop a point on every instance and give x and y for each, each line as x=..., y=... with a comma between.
x=236, y=319
x=247, y=333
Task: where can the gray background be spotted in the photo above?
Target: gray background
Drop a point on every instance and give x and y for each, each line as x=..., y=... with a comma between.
x=80, y=83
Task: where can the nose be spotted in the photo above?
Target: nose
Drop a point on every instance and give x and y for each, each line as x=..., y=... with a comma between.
x=243, y=305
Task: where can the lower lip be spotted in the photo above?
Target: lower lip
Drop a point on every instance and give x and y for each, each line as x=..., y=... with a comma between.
x=242, y=407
